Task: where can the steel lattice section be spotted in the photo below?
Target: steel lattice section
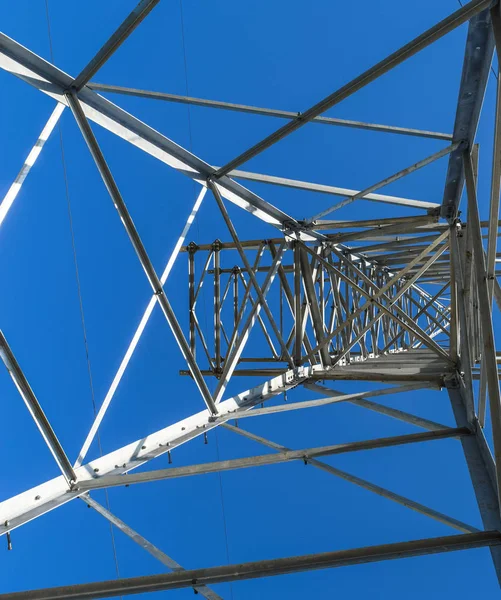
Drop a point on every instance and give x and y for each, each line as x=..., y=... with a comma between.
x=323, y=301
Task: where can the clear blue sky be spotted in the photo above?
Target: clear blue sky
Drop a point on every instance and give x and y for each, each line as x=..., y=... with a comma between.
x=274, y=54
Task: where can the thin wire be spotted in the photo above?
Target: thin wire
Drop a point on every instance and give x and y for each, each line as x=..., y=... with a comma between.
x=190, y=134
x=79, y=288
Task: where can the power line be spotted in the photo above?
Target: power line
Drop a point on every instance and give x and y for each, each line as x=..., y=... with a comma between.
x=190, y=134
x=79, y=287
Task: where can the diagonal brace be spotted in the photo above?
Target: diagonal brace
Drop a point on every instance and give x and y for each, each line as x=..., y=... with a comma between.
x=144, y=259
x=35, y=409
x=148, y=546
x=380, y=491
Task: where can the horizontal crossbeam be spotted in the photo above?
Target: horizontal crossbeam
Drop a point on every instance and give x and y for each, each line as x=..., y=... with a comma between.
x=270, y=459
x=267, y=112
x=262, y=568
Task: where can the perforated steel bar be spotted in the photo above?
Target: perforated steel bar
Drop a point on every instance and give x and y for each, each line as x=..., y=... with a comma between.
x=269, y=459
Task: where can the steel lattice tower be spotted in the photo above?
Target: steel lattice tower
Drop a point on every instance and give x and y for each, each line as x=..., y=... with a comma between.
x=405, y=302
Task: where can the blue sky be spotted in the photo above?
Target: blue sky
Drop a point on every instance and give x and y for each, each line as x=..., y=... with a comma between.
x=277, y=55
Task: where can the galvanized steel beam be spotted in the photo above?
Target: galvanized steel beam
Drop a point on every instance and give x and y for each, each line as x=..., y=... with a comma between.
x=263, y=568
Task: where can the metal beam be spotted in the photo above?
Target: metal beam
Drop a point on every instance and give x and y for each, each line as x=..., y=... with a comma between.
x=494, y=203
x=360, y=400
x=268, y=112
x=386, y=181
x=138, y=333
x=15, y=188
x=363, y=483
x=332, y=190
x=144, y=259
x=170, y=563
x=239, y=339
x=219, y=201
x=481, y=468
x=380, y=292
x=489, y=346
x=39, y=500
x=264, y=568
x=477, y=61
x=140, y=12
x=312, y=304
x=35, y=409
x=269, y=459
x=31, y=68
x=448, y=24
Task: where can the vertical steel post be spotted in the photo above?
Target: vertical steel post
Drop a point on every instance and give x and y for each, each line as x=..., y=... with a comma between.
x=489, y=353
x=216, y=246
x=314, y=309
x=192, y=248
x=481, y=469
x=236, y=271
x=297, y=305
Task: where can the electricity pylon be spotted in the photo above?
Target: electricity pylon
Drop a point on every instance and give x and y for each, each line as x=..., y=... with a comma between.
x=406, y=302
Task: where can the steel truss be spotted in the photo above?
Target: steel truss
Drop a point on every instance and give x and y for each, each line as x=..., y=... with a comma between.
x=405, y=301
